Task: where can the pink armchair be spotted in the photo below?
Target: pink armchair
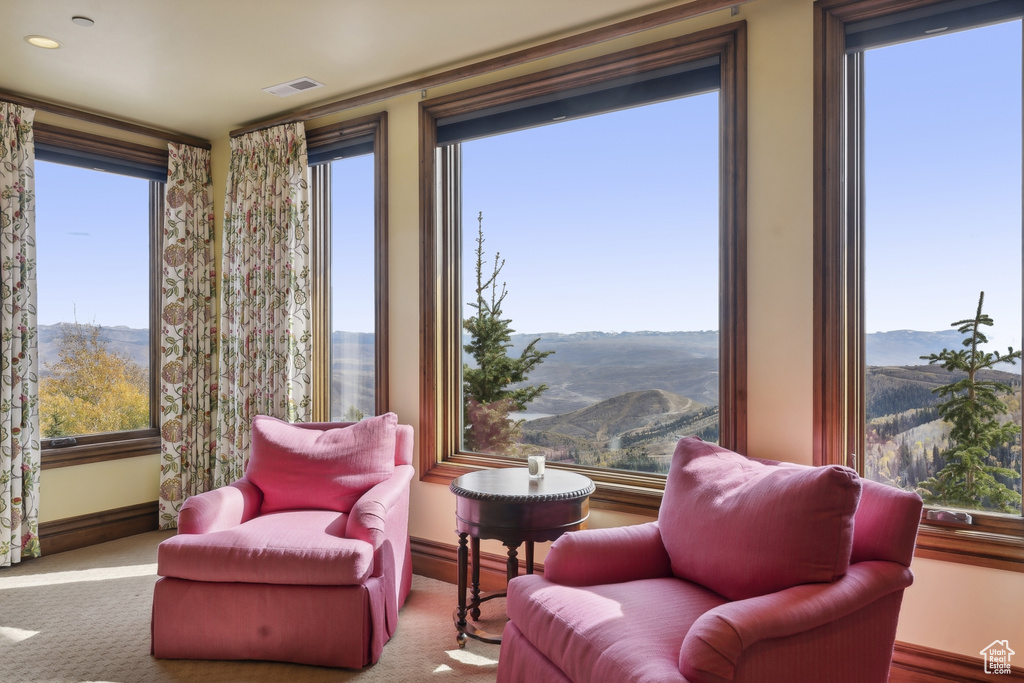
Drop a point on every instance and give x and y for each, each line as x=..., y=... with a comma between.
x=305, y=559
x=754, y=572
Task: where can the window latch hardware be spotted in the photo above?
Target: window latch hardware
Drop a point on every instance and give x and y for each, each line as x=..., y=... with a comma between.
x=63, y=442
x=948, y=516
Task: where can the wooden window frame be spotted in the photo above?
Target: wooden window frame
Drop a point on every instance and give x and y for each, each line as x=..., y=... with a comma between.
x=139, y=442
x=440, y=319
x=375, y=125
x=994, y=540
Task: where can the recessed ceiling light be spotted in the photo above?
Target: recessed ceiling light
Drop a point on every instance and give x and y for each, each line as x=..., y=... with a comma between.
x=42, y=41
x=83, y=21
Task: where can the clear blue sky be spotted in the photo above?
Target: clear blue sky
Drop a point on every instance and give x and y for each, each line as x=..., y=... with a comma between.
x=606, y=223
x=92, y=247
x=352, y=302
x=943, y=137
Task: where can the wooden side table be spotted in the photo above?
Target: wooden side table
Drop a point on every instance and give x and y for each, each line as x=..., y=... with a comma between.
x=509, y=506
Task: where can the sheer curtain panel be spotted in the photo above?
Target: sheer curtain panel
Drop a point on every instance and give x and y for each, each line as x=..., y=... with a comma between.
x=265, y=311
x=19, y=357
x=188, y=335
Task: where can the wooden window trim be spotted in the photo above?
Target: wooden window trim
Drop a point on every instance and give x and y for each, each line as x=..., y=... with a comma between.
x=376, y=125
x=559, y=46
x=105, y=121
x=103, y=448
x=439, y=320
x=994, y=540
x=129, y=444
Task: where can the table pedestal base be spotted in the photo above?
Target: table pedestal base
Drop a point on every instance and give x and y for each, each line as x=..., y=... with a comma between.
x=471, y=607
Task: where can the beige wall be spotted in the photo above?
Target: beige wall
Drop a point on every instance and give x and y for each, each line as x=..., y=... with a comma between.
x=84, y=489
x=951, y=607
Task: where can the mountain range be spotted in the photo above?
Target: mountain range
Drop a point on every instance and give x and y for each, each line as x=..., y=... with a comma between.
x=590, y=367
x=651, y=419
x=905, y=347
x=634, y=391
x=126, y=341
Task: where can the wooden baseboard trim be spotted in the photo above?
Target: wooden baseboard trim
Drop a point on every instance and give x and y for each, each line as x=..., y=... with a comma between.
x=437, y=560
x=920, y=664
x=99, y=527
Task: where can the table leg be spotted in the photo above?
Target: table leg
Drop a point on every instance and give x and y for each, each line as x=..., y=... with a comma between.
x=463, y=558
x=475, y=585
x=512, y=568
x=529, y=557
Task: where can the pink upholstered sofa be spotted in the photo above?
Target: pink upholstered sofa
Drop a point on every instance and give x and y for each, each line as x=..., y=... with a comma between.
x=754, y=572
x=305, y=559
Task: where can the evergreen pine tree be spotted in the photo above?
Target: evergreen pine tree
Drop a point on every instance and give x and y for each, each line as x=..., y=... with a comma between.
x=972, y=406
x=488, y=400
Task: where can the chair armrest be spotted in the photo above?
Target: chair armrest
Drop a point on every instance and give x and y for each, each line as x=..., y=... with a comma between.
x=714, y=644
x=367, y=518
x=597, y=556
x=220, y=509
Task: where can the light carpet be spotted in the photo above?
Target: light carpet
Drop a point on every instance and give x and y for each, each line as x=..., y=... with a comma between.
x=84, y=616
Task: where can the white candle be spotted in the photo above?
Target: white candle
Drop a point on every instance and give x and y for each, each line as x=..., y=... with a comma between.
x=536, y=464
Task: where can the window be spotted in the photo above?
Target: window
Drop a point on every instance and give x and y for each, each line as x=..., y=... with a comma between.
x=596, y=212
x=350, y=256
x=98, y=206
x=919, y=201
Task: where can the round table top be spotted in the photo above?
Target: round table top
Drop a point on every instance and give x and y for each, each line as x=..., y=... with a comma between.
x=514, y=484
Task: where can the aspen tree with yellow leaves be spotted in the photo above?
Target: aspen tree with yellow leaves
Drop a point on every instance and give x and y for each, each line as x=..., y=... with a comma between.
x=90, y=389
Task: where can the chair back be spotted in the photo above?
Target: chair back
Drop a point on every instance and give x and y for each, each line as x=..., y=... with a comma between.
x=403, y=438
x=321, y=466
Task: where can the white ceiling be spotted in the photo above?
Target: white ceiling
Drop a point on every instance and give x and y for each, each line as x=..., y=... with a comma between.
x=197, y=66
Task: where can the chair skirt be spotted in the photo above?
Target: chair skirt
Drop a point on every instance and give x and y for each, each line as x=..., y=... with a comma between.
x=338, y=626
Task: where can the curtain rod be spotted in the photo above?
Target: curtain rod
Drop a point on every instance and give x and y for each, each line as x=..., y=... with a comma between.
x=89, y=117
x=670, y=15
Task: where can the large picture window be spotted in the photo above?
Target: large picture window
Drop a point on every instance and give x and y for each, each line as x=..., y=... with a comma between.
x=99, y=204
x=347, y=163
x=921, y=109
x=587, y=231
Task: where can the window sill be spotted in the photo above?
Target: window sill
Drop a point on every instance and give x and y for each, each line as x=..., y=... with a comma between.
x=102, y=448
x=636, y=494
x=996, y=543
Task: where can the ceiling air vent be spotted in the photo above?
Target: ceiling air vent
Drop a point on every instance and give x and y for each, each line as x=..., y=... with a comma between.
x=292, y=87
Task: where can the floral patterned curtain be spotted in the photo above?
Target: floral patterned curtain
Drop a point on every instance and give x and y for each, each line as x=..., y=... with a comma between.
x=188, y=335
x=265, y=313
x=19, y=358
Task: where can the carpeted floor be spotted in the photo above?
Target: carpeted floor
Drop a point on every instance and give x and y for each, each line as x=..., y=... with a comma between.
x=84, y=616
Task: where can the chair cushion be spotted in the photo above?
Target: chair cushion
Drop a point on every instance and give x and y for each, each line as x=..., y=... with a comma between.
x=744, y=528
x=300, y=547
x=300, y=468
x=628, y=631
